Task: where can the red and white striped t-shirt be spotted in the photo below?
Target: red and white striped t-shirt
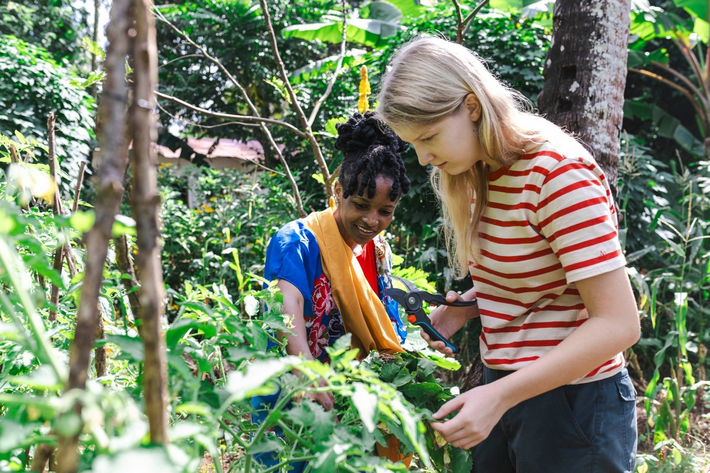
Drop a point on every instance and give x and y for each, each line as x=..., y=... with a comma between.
x=550, y=222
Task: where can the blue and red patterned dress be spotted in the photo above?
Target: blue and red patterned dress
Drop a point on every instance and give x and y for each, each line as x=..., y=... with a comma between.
x=294, y=256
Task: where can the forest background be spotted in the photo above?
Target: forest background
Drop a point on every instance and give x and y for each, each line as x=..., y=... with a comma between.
x=102, y=369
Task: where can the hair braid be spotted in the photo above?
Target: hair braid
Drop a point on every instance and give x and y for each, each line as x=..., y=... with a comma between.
x=370, y=149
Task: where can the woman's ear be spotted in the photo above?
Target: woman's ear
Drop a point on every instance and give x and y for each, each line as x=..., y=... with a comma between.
x=338, y=189
x=474, y=107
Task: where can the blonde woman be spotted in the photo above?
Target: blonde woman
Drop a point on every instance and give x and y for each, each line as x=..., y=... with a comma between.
x=530, y=216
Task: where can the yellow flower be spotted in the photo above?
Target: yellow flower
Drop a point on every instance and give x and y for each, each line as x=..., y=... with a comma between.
x=174, y=307
x=213, y=199
x=364, y=90
x=198, y=211
x=208, y=209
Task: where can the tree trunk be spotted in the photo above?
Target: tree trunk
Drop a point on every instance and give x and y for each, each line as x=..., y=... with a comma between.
x=585, y=75
x=145, y=203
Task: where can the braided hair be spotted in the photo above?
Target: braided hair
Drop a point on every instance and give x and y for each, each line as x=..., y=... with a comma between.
x=370, y=149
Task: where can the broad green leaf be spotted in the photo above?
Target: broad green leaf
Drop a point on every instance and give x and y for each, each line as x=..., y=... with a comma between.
x=265, y=444
x=14, y=435
x=702, y=29
x=368, y=32
x=412, y=8
x=82, y=221
x=131, y=347
x=330, y=125
x=697, y=8
x=241, y=384
x=366, y=404
x=414, y=390
x=182, y=326
x=43, y=378
x=68, y=424
x=639, y=59
x=380, y=10
x=185, y=428
x=123, y=225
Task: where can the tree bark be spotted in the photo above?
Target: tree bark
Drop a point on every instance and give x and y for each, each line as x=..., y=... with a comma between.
x=585, y=75
x=145, y=203
x=108, y=198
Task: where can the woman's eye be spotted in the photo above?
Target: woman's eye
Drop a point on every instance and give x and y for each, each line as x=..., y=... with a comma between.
x=360, y=206
x=386, y=213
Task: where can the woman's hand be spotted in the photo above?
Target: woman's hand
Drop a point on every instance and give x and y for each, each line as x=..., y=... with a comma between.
x=479, y=410
x=448, y=320
x=325, y=399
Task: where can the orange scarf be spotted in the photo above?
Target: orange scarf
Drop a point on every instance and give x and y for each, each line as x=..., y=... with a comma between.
x=363, y=314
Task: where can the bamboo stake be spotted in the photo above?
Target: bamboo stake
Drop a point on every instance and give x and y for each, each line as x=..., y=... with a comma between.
x=110, y=191
x=59, y=252
x=146, y=206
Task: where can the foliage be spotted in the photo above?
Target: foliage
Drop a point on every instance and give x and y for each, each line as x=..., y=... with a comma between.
x=54, y=25
x=32, y=85
x=670, y=274
x=686, y=33
x=226, y=228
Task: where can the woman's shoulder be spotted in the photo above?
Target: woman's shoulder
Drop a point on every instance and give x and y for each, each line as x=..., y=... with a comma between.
x=294, y=234
x=294, y=230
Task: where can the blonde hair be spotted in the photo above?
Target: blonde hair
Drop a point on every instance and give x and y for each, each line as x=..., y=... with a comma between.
x=427, y=81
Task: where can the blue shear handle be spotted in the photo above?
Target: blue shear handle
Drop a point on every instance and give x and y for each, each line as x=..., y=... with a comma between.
x=431, y=331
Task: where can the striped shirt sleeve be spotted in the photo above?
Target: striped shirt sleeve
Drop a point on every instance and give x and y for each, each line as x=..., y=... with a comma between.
x=576, y=215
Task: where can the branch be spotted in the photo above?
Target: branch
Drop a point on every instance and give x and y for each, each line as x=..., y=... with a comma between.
x=675, y=86
x=320, y=160
x=469, y=19
x=692, y=87
x=329, y=89
x=693, y=61
x=229, y=116
x=459, y=22
x=464, y=24
x=59, y=251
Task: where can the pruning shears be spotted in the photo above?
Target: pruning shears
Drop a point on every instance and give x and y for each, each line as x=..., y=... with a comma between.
x=413, y=299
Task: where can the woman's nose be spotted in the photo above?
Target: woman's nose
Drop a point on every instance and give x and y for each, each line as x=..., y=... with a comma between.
x=424, y=157
x=370, y=218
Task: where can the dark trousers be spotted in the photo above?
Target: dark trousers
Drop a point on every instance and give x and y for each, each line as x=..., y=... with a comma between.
x=582, y=428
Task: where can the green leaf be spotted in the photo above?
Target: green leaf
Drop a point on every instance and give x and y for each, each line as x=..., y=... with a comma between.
x=697, y=8
x=366, y=404
x=13, y=435
x=82, y=221
x=131, y=347
x=379, y=10
x=368, y=32
x=68, y=424
x=43, y=377
x=260, y=337
x=123, y=225
x=251, y=381
x=330, y=125
x=182, y=326
x=417, y=390
x=639, y=59
x=264, y=444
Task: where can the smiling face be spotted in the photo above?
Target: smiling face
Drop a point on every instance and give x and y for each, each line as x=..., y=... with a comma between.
x=452, y=143
x=360, y=218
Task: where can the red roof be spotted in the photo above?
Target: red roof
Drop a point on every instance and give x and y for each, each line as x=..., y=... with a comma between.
x=250, y=151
